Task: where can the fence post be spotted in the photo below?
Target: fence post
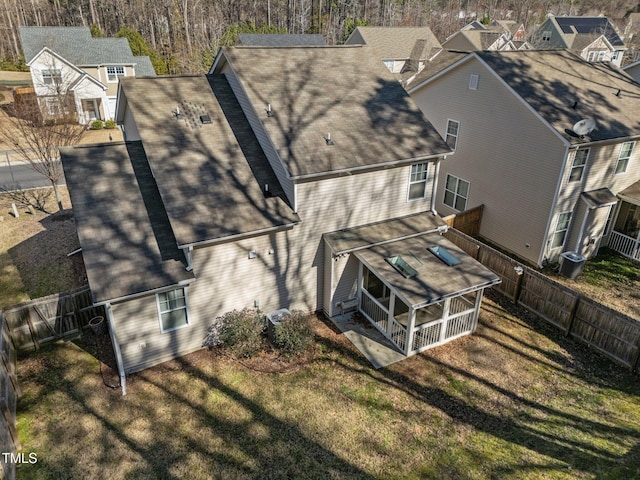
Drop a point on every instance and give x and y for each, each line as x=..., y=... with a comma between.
x=520, y=271
x=572, y=316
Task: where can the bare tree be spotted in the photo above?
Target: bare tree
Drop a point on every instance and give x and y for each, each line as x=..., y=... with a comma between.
x=37, y=139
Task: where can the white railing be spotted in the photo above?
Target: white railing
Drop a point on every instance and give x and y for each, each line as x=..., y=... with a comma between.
x=459, y=325
x=374, y=310
x=398, y=334
x=430, y=334
x=426, y=335
x=627, y=246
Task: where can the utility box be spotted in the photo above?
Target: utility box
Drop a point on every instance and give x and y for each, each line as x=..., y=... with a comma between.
x=571, y=264
x=274, y=319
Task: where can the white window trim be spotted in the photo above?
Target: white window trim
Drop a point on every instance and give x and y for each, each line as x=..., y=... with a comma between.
x=124, y=72
x=49, y=75
x=546, y=36
x=455, y=194
x=456, y=136
x=412, y=182
x=583, y=166
x=160, y=312
x=565, y=230
x=473, y=81
x=628, y=159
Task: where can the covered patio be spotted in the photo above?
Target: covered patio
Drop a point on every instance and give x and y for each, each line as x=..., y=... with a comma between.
x=625, y=235
x=419, y=291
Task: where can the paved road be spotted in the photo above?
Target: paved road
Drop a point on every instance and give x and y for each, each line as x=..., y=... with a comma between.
x=24, y=176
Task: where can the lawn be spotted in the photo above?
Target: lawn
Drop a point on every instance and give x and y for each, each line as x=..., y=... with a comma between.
x=516, y=400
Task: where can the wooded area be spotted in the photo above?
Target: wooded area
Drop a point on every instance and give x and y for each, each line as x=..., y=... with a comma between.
x=184, y=35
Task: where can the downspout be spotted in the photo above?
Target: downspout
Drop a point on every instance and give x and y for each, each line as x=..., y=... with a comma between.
x=116, y=348
x=434, y=191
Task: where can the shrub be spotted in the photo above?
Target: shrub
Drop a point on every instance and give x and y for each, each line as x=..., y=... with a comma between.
x=110, y=124
x=294, y=334
x=97, y=125
x=241, y=332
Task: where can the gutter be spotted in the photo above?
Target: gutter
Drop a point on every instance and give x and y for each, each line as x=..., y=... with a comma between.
x=116, y=348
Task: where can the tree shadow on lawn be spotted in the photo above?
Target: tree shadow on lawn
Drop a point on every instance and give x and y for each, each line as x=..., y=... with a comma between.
x=42, y=261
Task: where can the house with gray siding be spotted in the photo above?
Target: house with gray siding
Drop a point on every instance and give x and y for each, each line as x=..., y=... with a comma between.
x=299, y=178
x=546, y=141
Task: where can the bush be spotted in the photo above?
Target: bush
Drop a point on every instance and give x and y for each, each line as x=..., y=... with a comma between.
x=294, y=334
x=241, y=332
x=97, y=125
x=110, y=124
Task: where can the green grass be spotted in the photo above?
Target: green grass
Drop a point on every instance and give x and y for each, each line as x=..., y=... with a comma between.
x=515, y=401
x=609, y=267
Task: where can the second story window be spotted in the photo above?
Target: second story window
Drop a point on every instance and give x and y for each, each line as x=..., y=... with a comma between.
x=113, y=73
x=453, y=126
x=456, y=192
x=51, y=76
x=623, y=157
x=418, y=181
x=546, y=36
x=579, y=162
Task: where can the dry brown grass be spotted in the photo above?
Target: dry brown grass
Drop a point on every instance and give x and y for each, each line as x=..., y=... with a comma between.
x=33, y=252
x=515, y=401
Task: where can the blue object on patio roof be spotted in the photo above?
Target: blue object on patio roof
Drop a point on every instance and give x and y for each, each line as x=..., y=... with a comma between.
x=445, y=255
x=402, y=266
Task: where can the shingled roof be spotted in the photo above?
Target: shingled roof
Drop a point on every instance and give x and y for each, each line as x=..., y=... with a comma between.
x=344, y=91
x=395, y=43
x=127, y=244
x=589, y=26
x=76, y=45
x=210, y=171
x=280, y=39
x=564, y=88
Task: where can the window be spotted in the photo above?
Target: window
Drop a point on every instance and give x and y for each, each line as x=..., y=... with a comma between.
x=456, y=192
x=172, y=309
x=113, y=73
x=473, y=82
x=452, y=133
x=51, y=76
x=579, y=162
x=546, y=36
x=596, y=55
x=623, y=157
x=418, y=181
x=560, y=232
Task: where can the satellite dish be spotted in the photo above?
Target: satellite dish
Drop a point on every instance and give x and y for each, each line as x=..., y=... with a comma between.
x=584, y=126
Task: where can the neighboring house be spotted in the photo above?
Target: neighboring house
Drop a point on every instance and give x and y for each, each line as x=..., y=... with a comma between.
x=400, y=48
x=73, y=72
x=633, y=70
x=593, y=38
x=548, y=183
x=499, y=35
x=631, y=38
x=283, y=179
x=280, y=39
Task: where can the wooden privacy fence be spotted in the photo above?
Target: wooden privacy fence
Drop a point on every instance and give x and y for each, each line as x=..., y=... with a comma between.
x=614, y=334
x=467, y=222
x=9, y=391
x=34, y=323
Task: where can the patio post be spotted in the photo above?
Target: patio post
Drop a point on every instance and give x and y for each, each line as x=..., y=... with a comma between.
x=411, y=322
x=392, y=308
x=476, y=313
x=445, y=319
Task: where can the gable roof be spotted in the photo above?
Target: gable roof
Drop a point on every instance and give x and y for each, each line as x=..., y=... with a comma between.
x=441, y=61
x=589, y=26
x=280, y=39
x=345, y=91
x=474, y=39
x=564, y=89
x=210, y=174
x=77, y=46
x=395, y=43
x=127, y=245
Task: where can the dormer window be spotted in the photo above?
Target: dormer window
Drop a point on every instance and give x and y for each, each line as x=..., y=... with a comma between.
x=113, y=73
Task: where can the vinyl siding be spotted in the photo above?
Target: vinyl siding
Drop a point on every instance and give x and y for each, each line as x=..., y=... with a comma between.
x=129, y=126
x=137, y=321
x=513, y=161
x=345, y=280
x=264, y=140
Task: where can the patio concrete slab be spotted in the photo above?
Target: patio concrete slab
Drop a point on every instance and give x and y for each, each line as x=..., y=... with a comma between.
x=371, y=343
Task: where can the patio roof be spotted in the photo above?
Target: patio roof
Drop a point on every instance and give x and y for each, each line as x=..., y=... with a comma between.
x=602, y=197
x=434, y=280
x=352, y=239
x=632, y=192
